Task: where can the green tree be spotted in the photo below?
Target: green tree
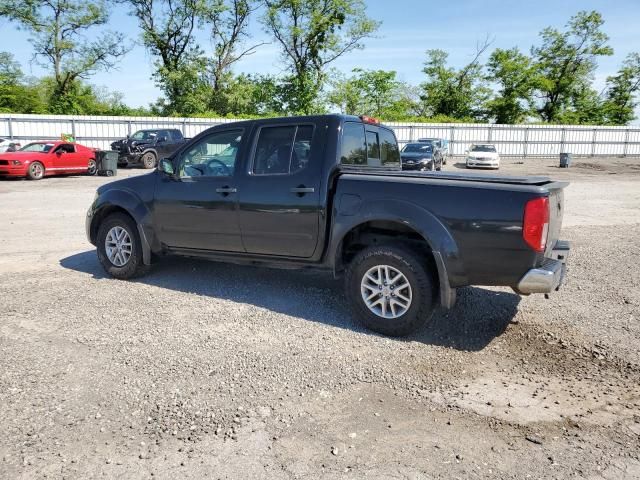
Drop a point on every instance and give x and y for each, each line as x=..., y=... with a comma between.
x=376, y=93
x=66, y=39
x=168, y=32
x=513, y=74
x=458, y=93
x=250, y=95
x=622, y=89
x=16, y=94
x=312, y=35
x=229, y=21
x=566, y=62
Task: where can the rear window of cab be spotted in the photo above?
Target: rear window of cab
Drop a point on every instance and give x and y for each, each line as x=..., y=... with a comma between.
x=366, y=145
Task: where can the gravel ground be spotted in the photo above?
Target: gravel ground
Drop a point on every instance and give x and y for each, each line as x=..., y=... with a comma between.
x=204, y=370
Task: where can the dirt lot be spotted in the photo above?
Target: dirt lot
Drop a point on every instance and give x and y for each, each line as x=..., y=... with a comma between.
x=203, y=370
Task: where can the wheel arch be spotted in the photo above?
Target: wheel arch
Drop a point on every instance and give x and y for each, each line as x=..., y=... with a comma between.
x=118, y=201
x=389, y=220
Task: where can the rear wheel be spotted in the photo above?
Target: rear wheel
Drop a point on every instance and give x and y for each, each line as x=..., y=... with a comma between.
x=391, y=289
x=119, y=247
x=149, y=160
x=35, y=171
x=92, y=168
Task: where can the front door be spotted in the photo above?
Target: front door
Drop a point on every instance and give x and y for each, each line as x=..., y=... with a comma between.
x=279, y=209
x=197, y=208
x=67, y=160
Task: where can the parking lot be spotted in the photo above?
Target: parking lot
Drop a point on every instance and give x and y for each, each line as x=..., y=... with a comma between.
x=204, y=370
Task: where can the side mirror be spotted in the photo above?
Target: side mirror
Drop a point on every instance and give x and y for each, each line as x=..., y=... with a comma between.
x=59, y=152
x=165, y=166
x=162, y=139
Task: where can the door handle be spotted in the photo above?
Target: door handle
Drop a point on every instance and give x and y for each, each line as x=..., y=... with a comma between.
x=301, y=190
x=226, y=190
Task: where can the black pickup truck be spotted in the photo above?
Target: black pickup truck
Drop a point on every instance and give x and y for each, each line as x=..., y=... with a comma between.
x=328, y=192
x=145, y=147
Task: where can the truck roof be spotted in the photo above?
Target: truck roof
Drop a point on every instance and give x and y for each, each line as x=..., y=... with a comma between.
x=308, y=118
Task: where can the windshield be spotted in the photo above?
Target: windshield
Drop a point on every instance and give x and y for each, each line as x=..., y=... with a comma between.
x=418, y=148
x=483, y=148
x=145, y=135
x=37, y=147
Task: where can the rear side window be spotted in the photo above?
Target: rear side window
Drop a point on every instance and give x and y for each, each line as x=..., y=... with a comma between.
x=375, y=147
x=353, y=151
x=282, y=150
x=389, y=153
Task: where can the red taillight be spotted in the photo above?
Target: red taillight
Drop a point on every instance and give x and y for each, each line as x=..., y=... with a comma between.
x=536, y=223
x=369, y=120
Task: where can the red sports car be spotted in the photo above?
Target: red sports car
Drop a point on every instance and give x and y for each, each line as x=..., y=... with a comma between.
x=38, y=159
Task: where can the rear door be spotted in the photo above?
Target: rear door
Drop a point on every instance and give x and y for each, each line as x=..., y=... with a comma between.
x=279, y=197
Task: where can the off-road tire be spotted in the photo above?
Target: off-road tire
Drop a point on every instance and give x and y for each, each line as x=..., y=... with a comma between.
x=149, y=160
x=135, y=267
x=415, y=267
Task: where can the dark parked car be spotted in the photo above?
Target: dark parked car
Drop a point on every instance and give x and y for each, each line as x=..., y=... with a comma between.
x=327, y=192
x=421, y=156
x=438, y=144
x=145, y=147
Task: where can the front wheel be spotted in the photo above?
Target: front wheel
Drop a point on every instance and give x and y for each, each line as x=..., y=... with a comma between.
x=119, y=247
x=391, y=289
x=148, y=160
x=35, y=171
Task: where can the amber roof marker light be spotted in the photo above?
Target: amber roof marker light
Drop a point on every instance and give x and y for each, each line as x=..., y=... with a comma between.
x=369, y=120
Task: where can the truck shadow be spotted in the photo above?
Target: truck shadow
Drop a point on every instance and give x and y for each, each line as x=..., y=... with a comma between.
x=479, y=316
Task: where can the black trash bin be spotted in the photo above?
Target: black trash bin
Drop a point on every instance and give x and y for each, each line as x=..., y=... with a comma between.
x=107, y=161
x=565, y=160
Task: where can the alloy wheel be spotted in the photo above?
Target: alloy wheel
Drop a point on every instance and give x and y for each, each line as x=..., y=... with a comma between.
x=118, y=246
x=386, y=291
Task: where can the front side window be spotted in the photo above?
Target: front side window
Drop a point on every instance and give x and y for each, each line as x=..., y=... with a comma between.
x=67, y=148
x=213, y=156
x=282, y=150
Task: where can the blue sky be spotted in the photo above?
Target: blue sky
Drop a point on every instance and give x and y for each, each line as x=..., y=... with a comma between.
x=409, y=28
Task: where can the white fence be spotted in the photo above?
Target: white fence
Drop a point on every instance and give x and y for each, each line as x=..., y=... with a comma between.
x=510, y=140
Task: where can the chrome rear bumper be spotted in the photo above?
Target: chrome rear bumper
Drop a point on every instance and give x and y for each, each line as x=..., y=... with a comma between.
x=549, y=276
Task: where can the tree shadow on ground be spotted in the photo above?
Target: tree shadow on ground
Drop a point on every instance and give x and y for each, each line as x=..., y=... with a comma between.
x=479, y=316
